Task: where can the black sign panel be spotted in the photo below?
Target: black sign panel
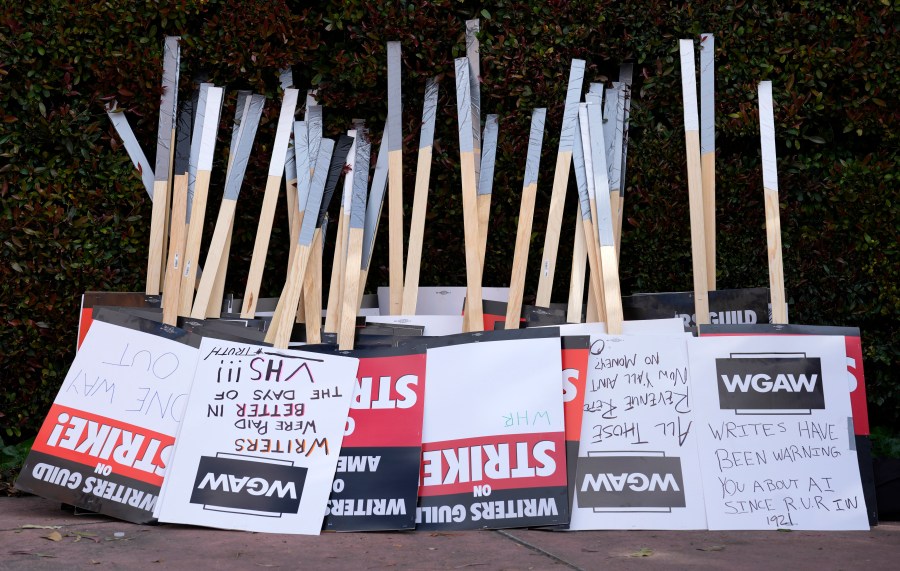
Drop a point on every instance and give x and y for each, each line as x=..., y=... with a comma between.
x=775, y=383
x=248, y=485
x=629, y=482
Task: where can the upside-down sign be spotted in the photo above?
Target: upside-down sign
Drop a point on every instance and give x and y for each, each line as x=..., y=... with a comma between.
x=107, y=441
x=493, y=451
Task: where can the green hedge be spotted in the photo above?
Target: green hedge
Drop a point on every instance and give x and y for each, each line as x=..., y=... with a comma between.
x=75, y=218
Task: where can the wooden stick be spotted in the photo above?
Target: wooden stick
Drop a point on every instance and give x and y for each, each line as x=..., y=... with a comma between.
x=474, y=320
x=312, y=285
x=526, y=217
x=560, y=182
x=577, y=278
x=279, y=333
x=420, y=201
x=270, y=200
x=770, y=191
x=247, y=122
x=578, y=159
x=177, y=239
x=395, y=179
x=609, y=265
x=708, y=151
x=616, y=120
x=314, y=126
x=373, y=212
x=210, y=106
x=165, y=140
x=339, y=260
x=312, y=282
x=695, y=185
x=347, y=329
x=596, y=307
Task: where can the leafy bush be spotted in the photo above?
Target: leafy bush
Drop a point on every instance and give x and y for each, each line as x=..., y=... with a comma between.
x=74, y=216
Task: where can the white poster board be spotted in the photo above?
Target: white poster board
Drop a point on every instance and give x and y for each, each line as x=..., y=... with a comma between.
x=637, y=464
x=493, y=433
x=260, y=440
x=106, y=443
x=776, y=435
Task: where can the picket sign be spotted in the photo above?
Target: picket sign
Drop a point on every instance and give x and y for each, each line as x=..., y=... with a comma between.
x=584, y=202
x=350, y=295
x=339, y=260
x=776, y=440
x=311, y=291
x=240, y=465
x=106, y=442
x=504, y=466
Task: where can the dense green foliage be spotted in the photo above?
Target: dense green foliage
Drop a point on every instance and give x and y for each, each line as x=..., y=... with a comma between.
x=74, y=216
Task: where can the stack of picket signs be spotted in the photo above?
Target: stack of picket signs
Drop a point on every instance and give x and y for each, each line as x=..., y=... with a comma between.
x=562, y=426
x=455, y=408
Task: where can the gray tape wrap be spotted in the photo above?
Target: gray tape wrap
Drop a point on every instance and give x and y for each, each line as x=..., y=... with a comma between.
x=199, y=117
x=301, y=152
x=167, y=106
x=535, y=142
x=429, y=113
x=241, y=155
x=580, y=173
x=360, y=179
x=573, y=96
x=707, y=94
x=395, y=104
x=488, y=155
x=316, y=189
x=464, y=106
x=376, y=199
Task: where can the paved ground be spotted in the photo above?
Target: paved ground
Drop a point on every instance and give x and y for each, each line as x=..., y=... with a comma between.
x=36, y=534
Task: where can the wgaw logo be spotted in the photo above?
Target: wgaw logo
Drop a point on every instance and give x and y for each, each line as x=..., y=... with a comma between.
x=628, y=482
x=770, y=382
x=235, y=484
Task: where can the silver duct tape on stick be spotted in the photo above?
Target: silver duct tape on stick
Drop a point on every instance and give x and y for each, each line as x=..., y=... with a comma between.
x=560, y=182
x=165, y=140
x=376, y=200
x=474, y=57
x=194, y=162
x=695, y=185
x=314, y=128
x=212, y=105
x=132, y=147
x=626, y=72
x=350, y=295
x=183, y=138
x=207, y=302
x=420, y=200
x=770, y=189
x=488, y=155
x=335, y=170
x=526, y=217
x=708, y=151
x=282, y=321
x=473, y=320
x=395, y=179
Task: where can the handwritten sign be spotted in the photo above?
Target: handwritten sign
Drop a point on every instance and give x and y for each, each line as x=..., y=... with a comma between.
x=106, y=443
x=776, y=433
x=376, y=484
x=637, y=463
x=493, y=451
x=260, y=441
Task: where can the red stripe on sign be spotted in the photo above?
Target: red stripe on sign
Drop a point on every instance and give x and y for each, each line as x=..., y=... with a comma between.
x=93, y=440
x=87, y=317
x=504, y=462
x=388, y=402
x=575, y=364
